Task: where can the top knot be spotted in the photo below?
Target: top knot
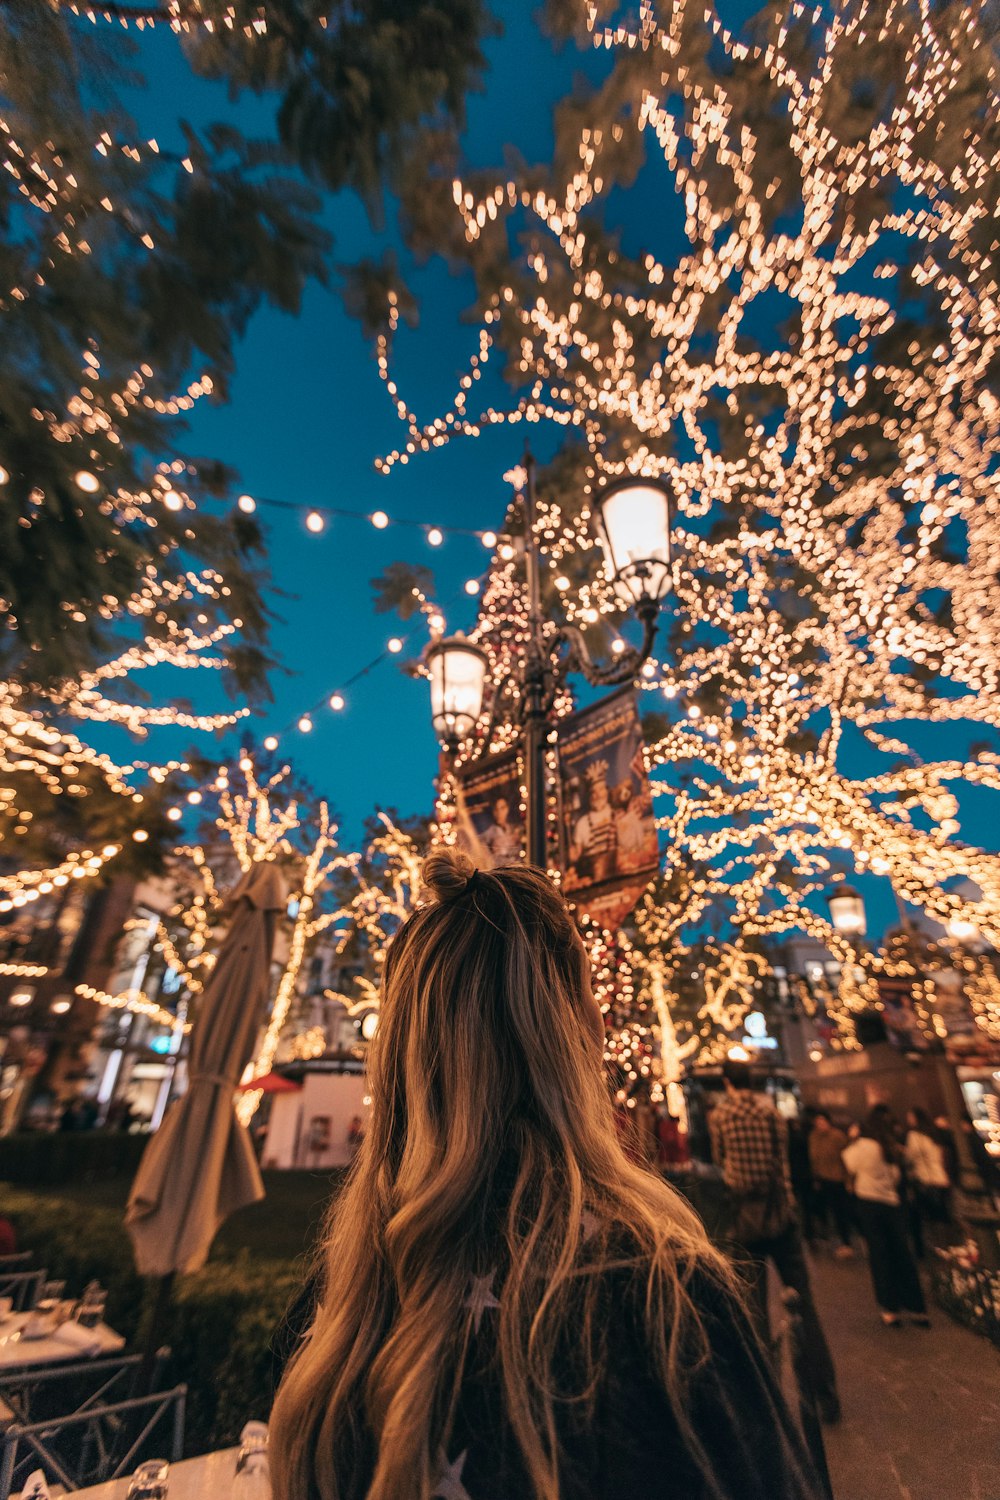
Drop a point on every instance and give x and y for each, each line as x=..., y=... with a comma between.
x=446, y=872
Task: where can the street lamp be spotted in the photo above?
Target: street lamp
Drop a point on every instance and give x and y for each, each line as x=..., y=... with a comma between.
x=633, y=527
x=457, y=672
x=632, y=518
x=961, y=930
x=847, y=911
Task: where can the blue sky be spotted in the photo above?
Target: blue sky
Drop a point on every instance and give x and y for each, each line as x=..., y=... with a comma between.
x=308, y=415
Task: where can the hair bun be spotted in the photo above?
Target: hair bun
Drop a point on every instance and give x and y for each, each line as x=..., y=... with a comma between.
x=446, y=872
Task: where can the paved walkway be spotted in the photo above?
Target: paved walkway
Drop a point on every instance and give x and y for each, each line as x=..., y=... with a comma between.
x=921, y=1408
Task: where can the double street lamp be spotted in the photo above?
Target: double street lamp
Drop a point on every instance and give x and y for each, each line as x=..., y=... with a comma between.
x=633, y=529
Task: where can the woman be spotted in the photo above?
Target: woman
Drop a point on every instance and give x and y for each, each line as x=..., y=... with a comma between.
x=873, y=1165
x=509, y=1306
x=925, y=1160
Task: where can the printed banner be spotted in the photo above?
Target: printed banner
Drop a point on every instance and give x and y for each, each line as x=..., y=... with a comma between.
x=489, y=818
x=608, y=834
x=899, y=1014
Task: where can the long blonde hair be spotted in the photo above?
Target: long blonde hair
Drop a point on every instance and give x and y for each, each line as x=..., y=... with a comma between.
x=491, y=1141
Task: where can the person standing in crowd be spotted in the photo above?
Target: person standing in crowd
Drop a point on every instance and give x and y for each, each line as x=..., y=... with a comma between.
x=873, y=1165
x=802, y=1177
x=928, y=1173
x=750, y=1148
x=826, y=1143
x=507, y=1305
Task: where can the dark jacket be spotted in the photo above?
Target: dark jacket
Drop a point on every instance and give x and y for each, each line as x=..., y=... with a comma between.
x=632, y=1448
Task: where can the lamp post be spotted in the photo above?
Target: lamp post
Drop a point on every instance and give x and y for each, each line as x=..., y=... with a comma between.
x=847, y=911
x=633, y=529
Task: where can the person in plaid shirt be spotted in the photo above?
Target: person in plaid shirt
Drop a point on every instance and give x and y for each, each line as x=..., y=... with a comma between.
x=750, y=1147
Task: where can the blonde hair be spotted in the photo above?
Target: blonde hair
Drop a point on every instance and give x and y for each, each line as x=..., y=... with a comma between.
x=491, y=1141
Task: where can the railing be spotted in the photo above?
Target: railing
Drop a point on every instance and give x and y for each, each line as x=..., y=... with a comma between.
x=792, y=1334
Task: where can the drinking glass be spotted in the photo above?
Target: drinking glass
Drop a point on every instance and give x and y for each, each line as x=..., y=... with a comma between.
x=149, y=1482
x=91, y=1310
x=252, y=1480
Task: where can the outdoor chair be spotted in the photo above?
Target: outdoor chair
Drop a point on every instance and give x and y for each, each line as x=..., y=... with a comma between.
x=40, y=1393
x=22, y=1286
x=19, y=1261
x=94, y=1445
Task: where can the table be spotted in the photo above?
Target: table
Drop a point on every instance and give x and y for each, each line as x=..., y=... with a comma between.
x=17, y=1353
x=207, y=1478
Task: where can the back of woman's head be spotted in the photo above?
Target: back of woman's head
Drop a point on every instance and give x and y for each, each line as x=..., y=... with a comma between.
x=880, y=1126
x=490, y=1145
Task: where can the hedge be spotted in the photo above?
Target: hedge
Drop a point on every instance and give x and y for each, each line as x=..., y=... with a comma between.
x=221, y=1323
x=40, y=1160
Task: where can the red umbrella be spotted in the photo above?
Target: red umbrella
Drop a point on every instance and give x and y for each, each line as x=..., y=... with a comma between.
x=270, y=1083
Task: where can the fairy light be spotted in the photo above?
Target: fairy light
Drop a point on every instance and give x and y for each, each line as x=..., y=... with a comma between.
x=247, y=504
x=315, y=522
x=41, y=751
x=133, y=1001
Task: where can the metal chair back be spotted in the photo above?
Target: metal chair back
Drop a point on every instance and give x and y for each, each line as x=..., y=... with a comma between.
x=91, y=1382
x=23, y=1287
x=102, y=1442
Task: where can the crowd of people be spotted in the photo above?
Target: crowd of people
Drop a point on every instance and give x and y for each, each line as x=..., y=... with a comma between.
x=880, y=1181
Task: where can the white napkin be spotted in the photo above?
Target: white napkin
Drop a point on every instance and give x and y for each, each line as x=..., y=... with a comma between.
x=36, y=1487
x=83, y=1339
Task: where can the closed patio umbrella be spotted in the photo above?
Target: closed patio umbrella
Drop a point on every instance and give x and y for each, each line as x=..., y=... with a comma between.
x=200, y=1166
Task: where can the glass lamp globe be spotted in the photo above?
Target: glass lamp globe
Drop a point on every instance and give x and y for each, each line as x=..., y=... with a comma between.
x=457, y=671
x=847, y=911
x=633, y=525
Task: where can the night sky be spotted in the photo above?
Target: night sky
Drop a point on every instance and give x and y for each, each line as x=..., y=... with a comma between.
x=308, y=416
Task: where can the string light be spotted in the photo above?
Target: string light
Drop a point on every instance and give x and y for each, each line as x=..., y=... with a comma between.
x=133, y=1001
x=315, y=522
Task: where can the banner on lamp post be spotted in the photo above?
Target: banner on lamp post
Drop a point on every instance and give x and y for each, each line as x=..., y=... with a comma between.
x=608, y=844
x=489, y=815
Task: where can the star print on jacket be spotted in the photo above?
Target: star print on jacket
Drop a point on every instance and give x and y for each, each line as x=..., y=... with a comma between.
x=589, y=1225
x=449, y=1485
x=480, y=1297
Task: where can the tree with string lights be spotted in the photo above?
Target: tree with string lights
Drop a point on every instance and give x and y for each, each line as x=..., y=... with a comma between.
x=811, y=374
x=125, y=266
